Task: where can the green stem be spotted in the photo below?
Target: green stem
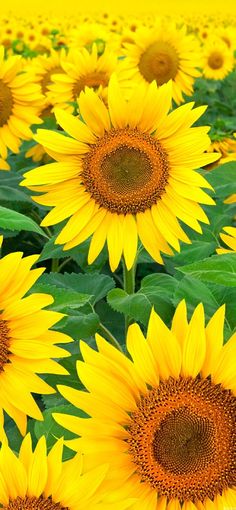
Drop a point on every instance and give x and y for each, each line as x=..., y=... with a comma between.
x=109, y=336
x=129, y=286
x=55, y=265
x=60, y=267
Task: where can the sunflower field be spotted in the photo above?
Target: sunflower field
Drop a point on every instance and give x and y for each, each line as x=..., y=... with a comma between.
x=118, y=261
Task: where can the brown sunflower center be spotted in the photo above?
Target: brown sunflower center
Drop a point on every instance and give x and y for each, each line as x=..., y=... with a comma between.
x=215, y=60
x=93, y=80
x=183, y=439
x=33, y=503
x=159, y=62
x=4, y=344
x=126, y=171
x=6, y=103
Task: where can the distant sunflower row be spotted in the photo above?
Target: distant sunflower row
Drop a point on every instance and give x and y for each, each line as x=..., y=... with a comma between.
x=40, y=74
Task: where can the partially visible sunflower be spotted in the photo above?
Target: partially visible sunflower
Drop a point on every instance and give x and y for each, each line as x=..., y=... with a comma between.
x=26, y=342
x=45, y=66
x=167, y=425
x=126, y=173
x=162, y=53
x=218, y=60
x=37, y=481
x=20, y=101
x=226, y=148
x=229, y=240
x=81, y=69
x=231, y=199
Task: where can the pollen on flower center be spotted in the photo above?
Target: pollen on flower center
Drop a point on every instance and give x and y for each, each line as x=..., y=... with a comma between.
x=183, y=439
x=6, y=103
x=126, y=171
x=33, y=503
x=215, y=60
x=93, y=80
x=159, y=62
x=4, y=344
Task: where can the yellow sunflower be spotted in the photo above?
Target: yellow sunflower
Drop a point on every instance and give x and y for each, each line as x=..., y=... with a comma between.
x=218, y=60
x=231, y=199
x=37, y=481
x=26, y=342
x=167, y=424
x=82, y=68
x=226, y=148
x=126, y=173
x=162, y=53
x=45, y=66
x=20, y=101
x=229, y=240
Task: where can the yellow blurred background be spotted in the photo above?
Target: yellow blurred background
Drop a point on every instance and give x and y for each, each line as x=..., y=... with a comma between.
x=55, y=7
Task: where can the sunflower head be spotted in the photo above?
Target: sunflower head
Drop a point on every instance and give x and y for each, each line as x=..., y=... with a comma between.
x=126, y=172
x=27, y=345
x=36, y=480
x=168, y=421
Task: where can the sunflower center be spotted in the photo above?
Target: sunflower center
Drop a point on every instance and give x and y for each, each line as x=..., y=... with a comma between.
x=183, y=439
x=215, y=60
x=33, y=503
x=126, y=171
x=4, y=344
x=93, y=80
x=183, y=443
x=159, y=62
x=6, y=103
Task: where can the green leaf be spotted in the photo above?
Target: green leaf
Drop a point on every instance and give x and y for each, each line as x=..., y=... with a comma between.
x=51, y=429
x=12, y=220
x=95, y=285
x=223, y=179
x=194, y=292
x=10, y=194
x=191, y=253
x=156, y=290
x=220, y=269
x=63, y=297
x=79, y=326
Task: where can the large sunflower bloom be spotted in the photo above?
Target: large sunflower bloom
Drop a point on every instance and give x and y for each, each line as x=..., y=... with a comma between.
x=20, y=100
x=164, y=420
x=26, y=343
x=126, y=173
x=162, y=53
x=37, y=481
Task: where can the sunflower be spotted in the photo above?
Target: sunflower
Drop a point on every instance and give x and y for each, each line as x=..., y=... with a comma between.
x=162, y=53
x=218, y=59
x=226, y=148
x=127, y=172
x=167, y=425
x=112, y=198
x=82, y=69
x=26, y=342
x=229, y=240
x=37, y=481
x=231, y=199
x=20, y=101
x=45, y=66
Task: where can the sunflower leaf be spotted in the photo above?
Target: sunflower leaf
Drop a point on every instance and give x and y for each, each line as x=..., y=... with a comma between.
x=12, y=220
x=220, y=269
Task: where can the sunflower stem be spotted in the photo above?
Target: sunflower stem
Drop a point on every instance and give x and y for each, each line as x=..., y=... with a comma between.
x=129, y=286
x=55, y=265
x=109, y=336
